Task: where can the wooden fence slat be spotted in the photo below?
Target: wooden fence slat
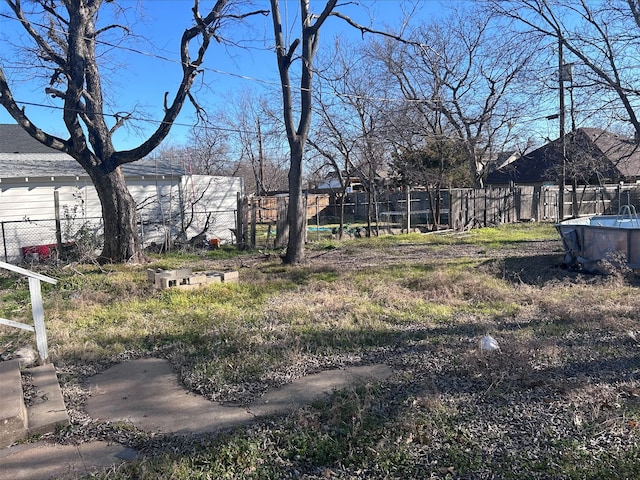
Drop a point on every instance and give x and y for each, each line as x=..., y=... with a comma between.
x=282, y=228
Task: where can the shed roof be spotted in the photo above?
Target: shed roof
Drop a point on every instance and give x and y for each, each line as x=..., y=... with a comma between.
x=22, y=156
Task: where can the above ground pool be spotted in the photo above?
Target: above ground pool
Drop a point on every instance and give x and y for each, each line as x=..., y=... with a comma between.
x=588, y=240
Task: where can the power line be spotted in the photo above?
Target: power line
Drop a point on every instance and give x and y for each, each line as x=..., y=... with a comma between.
x=139, y=119
x=157, y=56
x=249, y=78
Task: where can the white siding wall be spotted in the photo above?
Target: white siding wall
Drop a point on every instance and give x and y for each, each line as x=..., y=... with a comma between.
x=27, y=210
x=212, y=197
x=158, y=208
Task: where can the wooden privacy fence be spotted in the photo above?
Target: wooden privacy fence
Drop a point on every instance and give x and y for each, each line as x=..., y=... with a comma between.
x=37, y=309
x=494, y=206
x=271, y=214
x=459, y=209
x=462, y=208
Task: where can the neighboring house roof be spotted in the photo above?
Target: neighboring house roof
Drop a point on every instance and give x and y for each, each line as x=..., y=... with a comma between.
x=504, y=159
x=601, y=154
x=23, y=156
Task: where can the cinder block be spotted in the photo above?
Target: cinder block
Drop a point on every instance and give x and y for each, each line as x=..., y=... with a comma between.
x=197, y=279
x=162, y=280
x=170, y=282
x=231, y=277
x=169, y=278
x=185, y=278
x=214, y=277
x=151, y=275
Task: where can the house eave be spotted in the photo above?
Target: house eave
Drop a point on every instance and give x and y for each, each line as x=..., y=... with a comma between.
x=45, y=179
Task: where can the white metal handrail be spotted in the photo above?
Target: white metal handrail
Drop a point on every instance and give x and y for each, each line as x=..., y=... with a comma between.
x=37, y=309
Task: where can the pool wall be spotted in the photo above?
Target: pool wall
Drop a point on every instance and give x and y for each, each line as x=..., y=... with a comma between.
x=589, y=240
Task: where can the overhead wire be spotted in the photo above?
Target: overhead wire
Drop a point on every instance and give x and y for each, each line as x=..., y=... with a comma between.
x=144, y=119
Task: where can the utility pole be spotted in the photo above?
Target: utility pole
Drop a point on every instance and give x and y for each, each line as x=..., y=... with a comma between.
x=563, y=170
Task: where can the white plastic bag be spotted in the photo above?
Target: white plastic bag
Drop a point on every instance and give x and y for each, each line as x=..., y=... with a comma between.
x=489, y=344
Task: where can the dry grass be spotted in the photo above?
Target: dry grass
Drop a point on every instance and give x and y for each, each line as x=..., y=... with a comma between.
x=560, y=399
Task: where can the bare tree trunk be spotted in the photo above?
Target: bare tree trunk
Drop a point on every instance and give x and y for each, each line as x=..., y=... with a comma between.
x=296, y=213
x=121, y=239
x=297, y=136
x=298, y=132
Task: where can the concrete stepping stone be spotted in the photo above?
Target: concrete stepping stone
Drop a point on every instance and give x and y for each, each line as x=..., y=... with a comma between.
x=46, y=412
x=147, y=393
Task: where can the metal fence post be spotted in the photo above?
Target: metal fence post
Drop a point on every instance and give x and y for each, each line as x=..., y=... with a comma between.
x=4, y=243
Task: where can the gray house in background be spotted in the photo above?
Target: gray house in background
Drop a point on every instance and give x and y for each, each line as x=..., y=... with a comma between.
x=594, y=156
x=39, y=184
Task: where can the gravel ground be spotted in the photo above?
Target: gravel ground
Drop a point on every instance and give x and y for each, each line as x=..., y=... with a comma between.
x=566, y=398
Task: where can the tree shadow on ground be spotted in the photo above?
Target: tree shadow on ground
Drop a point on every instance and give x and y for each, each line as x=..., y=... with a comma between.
x=536, y=270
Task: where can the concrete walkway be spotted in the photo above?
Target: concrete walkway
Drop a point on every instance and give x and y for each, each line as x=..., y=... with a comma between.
x=43, y=460
x=147, y=393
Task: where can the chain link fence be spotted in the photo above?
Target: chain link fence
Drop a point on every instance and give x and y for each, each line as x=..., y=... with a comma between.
x=40, y=240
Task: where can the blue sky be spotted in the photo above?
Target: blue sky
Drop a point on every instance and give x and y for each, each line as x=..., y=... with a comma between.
x=149, y=67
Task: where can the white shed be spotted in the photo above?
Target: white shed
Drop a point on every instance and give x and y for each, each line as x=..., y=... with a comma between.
x=45, y=193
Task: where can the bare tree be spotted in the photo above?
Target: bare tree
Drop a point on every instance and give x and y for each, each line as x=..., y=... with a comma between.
x=349, y=133
x=241, y=140
x=435, y=164
x=298, y=132
x=258, y=134
x=68, y=45
x=601, y=35
x=459, y=71
x=209, y=151
x=335, y=147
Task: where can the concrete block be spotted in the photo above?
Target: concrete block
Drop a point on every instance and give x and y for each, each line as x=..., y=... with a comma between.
x=13, y=413
x=231, y=277
x=168, y=278
x=197, y=279
x=185, y=278
x=151, y=274
x=168, y=282
x=214, y=277
x=48, y=411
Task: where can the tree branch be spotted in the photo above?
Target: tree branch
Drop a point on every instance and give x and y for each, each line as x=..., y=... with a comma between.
x=634, y=5
x=206, y=28
x=40, y=41
x=19, y=115
x=364, y=29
